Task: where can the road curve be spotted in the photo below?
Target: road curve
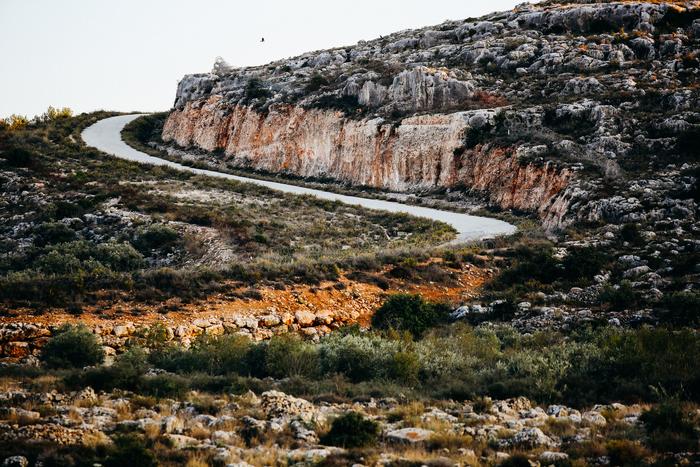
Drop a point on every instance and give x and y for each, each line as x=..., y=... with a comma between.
x=105, y=135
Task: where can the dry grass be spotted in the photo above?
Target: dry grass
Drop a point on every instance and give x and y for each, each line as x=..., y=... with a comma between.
x=559, y=427
x=197, y=460
x=152, y=431
x=199, y=432
x=409, y=413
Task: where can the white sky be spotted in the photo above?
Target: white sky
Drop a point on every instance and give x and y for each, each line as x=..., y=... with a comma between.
x=129, y=54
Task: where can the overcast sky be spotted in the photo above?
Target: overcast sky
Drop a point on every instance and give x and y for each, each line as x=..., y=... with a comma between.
x=129, y=54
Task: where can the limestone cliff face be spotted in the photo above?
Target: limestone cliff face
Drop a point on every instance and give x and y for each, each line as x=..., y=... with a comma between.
x=422, y=152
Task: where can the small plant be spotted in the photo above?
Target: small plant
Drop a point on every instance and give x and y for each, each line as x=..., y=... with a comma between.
x=352, y=430
x=72, y=347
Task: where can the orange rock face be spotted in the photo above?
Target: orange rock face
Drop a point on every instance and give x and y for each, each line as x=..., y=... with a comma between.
x=423, y=152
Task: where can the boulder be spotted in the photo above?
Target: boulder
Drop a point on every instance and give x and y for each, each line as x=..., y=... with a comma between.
x=409, y=435
x=304, y=318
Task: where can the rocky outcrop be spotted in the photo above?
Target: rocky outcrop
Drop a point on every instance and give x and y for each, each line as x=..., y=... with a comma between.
x=423, y=152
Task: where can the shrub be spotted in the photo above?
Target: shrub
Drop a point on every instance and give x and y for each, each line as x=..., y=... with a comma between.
x=315, y=83
x=630, y=233
x=404, y=367
x=625, y=453
x=119, y=256
x=531, y=263
x=19, y=157
x=411, y=313
x=130, y=450
x=288, y=355
x=155, y=237
x=255, y=90
x=682, y=307
x=352, y=430
x=216, y=356
x=359, y=357
x=670, y=427
x=125, y=373
x=620, y=297
x=50, y=233
x=583, y=263
x=72, y=346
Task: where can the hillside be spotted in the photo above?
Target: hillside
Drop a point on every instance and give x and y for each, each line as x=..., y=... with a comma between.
x=158, y=317
x=549, y=108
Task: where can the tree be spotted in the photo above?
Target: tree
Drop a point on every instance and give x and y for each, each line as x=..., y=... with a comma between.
x=72, y=347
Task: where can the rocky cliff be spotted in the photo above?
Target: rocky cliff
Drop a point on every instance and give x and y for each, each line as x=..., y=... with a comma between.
x=538, y=108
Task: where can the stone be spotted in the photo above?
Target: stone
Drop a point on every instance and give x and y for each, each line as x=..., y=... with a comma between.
x=594, y=419
x=270, y=320
x=224, y=437
x=552, y=457
x=278, y=405
x=530, y=438
x=181, y=441
x=121, y=330
x=409, y=435
x=17, y=349
x=85, y=396
x=313, y=455
x=304, y=318
x=303, y=433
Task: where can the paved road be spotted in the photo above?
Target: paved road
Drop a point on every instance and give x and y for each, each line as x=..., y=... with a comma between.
x=105, y=135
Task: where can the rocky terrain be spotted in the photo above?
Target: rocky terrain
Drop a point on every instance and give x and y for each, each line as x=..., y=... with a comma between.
x=581, y=115
x=236, y=430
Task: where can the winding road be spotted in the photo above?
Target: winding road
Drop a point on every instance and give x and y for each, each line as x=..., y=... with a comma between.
x=105, y=135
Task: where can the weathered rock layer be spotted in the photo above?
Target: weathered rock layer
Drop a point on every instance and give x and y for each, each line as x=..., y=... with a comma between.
x=423, y=152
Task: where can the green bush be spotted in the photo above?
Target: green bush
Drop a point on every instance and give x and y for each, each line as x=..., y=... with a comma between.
x=583, y=263
x=352, y=430
x=119, y=256
x=288, y=355
x=360, y=357
x=155, y=237
x=72, y=347
x=216, y=356
x=403, y=312
x=125, y=373
x=19, y=157
x=404, y=367
x=50, y=233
